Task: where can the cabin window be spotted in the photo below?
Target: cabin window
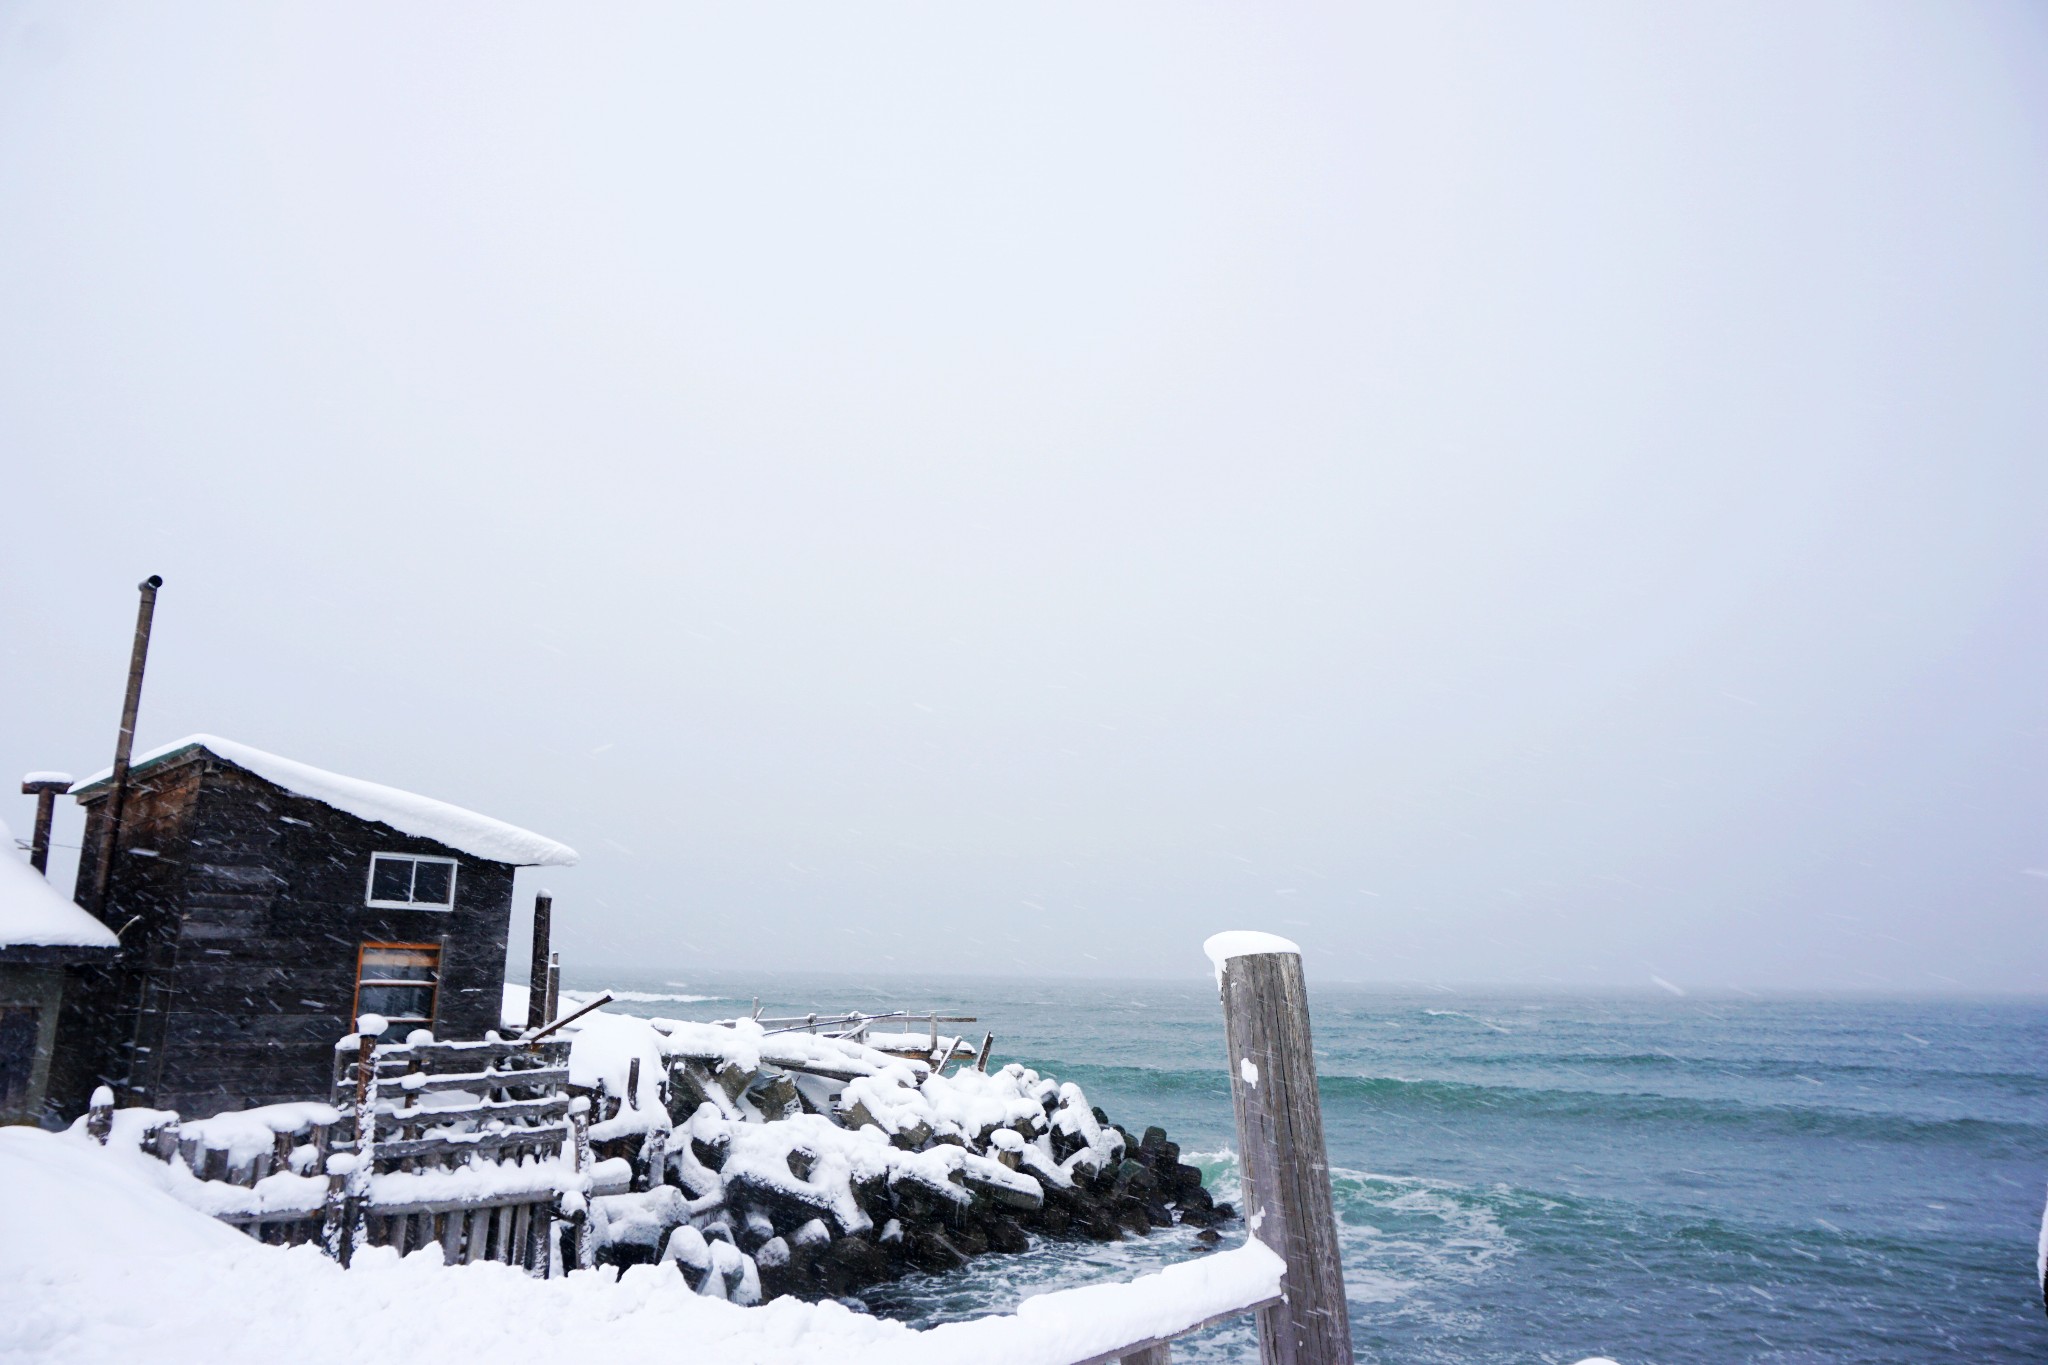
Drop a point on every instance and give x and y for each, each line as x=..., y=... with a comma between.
x=405, y=881
x=398, y=981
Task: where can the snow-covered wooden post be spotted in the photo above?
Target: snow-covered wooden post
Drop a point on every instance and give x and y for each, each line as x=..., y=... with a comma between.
x=654, y=1153
x=99, y=1115
x=335, y=1236
x=1281, y=1157
x=579, y=1217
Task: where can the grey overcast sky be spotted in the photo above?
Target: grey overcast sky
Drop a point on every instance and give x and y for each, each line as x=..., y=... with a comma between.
x=1538, y=494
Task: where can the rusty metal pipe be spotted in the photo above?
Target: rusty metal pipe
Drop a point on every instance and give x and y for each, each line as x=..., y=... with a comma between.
x=124, y=745
x=45, y=790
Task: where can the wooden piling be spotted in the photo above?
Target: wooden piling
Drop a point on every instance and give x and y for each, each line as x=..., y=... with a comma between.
x=1281, y=1157
x=537, y=972
x=99, y=1115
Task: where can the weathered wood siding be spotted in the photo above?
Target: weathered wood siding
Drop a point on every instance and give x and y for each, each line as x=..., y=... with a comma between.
x=241, y=973
x=108, y=1026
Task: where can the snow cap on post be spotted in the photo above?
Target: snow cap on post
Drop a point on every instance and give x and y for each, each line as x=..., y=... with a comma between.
x=372, y=1025
x=1244, y=943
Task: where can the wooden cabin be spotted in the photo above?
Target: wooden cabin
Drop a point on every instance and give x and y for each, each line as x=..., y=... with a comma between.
x=41, y=935
x=263, y=905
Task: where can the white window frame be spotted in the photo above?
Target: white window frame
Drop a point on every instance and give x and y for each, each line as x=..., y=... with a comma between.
x=439, y=907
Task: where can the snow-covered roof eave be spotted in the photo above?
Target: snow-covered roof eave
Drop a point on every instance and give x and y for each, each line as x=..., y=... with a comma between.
x=38, y=923
x=408, y=813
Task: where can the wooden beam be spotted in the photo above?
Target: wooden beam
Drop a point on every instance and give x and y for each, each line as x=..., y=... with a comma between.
x=550, y=1138
x=553, y=1107
x=1135, y=1350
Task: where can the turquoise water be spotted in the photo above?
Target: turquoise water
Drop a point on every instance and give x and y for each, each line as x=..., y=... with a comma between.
x=1547, y=1177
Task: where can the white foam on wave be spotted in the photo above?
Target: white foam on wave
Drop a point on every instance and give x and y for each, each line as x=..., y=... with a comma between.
x=1388, y=1258
x=1405, y=1241
x=1382, y=1267
x=641, y=997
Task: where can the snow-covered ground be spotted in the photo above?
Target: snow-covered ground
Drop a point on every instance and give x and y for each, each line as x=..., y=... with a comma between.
x=100, y=1264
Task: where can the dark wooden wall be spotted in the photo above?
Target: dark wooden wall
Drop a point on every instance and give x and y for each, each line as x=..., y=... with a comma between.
x=240, y=977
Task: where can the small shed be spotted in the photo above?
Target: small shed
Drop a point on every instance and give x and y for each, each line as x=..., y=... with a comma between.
x=41, y=934
x=263, y=905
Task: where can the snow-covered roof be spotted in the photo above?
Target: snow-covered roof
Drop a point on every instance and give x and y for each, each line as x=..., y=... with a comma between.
x=35, y=914
x=478, y=835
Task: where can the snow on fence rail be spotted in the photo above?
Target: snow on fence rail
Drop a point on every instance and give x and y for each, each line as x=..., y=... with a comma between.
x=475, y=1146
x=471, y=1146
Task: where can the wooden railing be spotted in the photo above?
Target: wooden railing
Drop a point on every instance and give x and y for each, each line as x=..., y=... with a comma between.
x=510, y=1124
x=393, y=1162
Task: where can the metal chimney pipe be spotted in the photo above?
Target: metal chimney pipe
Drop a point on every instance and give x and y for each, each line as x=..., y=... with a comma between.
x=124, y=744
x=45, y=788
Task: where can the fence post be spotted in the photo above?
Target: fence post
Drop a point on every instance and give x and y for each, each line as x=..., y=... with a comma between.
x=99, y=1114
x=1281, y=1158
x=579, y=1125
x=336, y=1233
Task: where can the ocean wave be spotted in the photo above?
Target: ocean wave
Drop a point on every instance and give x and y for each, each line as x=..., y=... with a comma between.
x=1747, y=1067
x=1397, y=1233
x=1633, y=1106
x=1140, y=1079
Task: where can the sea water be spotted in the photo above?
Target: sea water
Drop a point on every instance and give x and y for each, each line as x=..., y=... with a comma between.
x=1525, y=1177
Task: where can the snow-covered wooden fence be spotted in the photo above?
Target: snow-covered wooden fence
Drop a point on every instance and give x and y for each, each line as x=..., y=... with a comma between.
x=479, y=1148
x=254, y=1166
x=476, y=1146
